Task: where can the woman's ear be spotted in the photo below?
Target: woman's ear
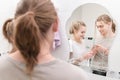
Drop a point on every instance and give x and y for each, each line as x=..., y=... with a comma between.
x=110, y=23
x=55, y=25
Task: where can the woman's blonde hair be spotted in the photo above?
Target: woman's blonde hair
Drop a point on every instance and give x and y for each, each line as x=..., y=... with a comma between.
x=76, y=26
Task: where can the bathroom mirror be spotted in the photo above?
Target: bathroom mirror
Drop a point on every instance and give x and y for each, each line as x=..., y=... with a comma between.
x=89, y=22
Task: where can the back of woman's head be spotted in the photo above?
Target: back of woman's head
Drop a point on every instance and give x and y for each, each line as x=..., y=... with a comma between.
x=106, y=19
x=8, y=30
x=76, y=26
x=33, y=20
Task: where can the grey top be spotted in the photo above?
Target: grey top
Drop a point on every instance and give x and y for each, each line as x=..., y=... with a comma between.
x=11, y=69
x=100, y=60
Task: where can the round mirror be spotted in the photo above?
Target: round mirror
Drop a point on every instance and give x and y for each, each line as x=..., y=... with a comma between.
x=91, y=31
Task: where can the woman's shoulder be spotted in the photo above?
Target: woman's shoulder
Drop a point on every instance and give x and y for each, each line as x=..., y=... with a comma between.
x=69, y=65
x=4, y=61
x=73, y=70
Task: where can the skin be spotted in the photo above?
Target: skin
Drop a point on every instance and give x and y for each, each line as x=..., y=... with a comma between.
x=79, y=34
x=104, y=28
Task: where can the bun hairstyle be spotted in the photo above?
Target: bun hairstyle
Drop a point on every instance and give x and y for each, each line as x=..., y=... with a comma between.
x=8, y=32
x=8, y=29
x=113, y=27
x=106, y=18
x=76, y=26
x=33, y=19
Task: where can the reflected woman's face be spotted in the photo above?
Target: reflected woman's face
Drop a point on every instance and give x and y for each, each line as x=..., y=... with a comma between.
x=103, y=27
x=80, y=34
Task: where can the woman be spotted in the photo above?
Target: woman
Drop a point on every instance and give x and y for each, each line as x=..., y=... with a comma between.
x=33, y=36
x=106, y=27
x=77, y=44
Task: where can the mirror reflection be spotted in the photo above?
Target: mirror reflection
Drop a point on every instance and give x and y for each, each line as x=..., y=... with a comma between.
x=90, y=36
x=103, y=43
x=77, y=43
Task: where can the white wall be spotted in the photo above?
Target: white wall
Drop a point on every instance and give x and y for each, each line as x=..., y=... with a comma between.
x=65, y=9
